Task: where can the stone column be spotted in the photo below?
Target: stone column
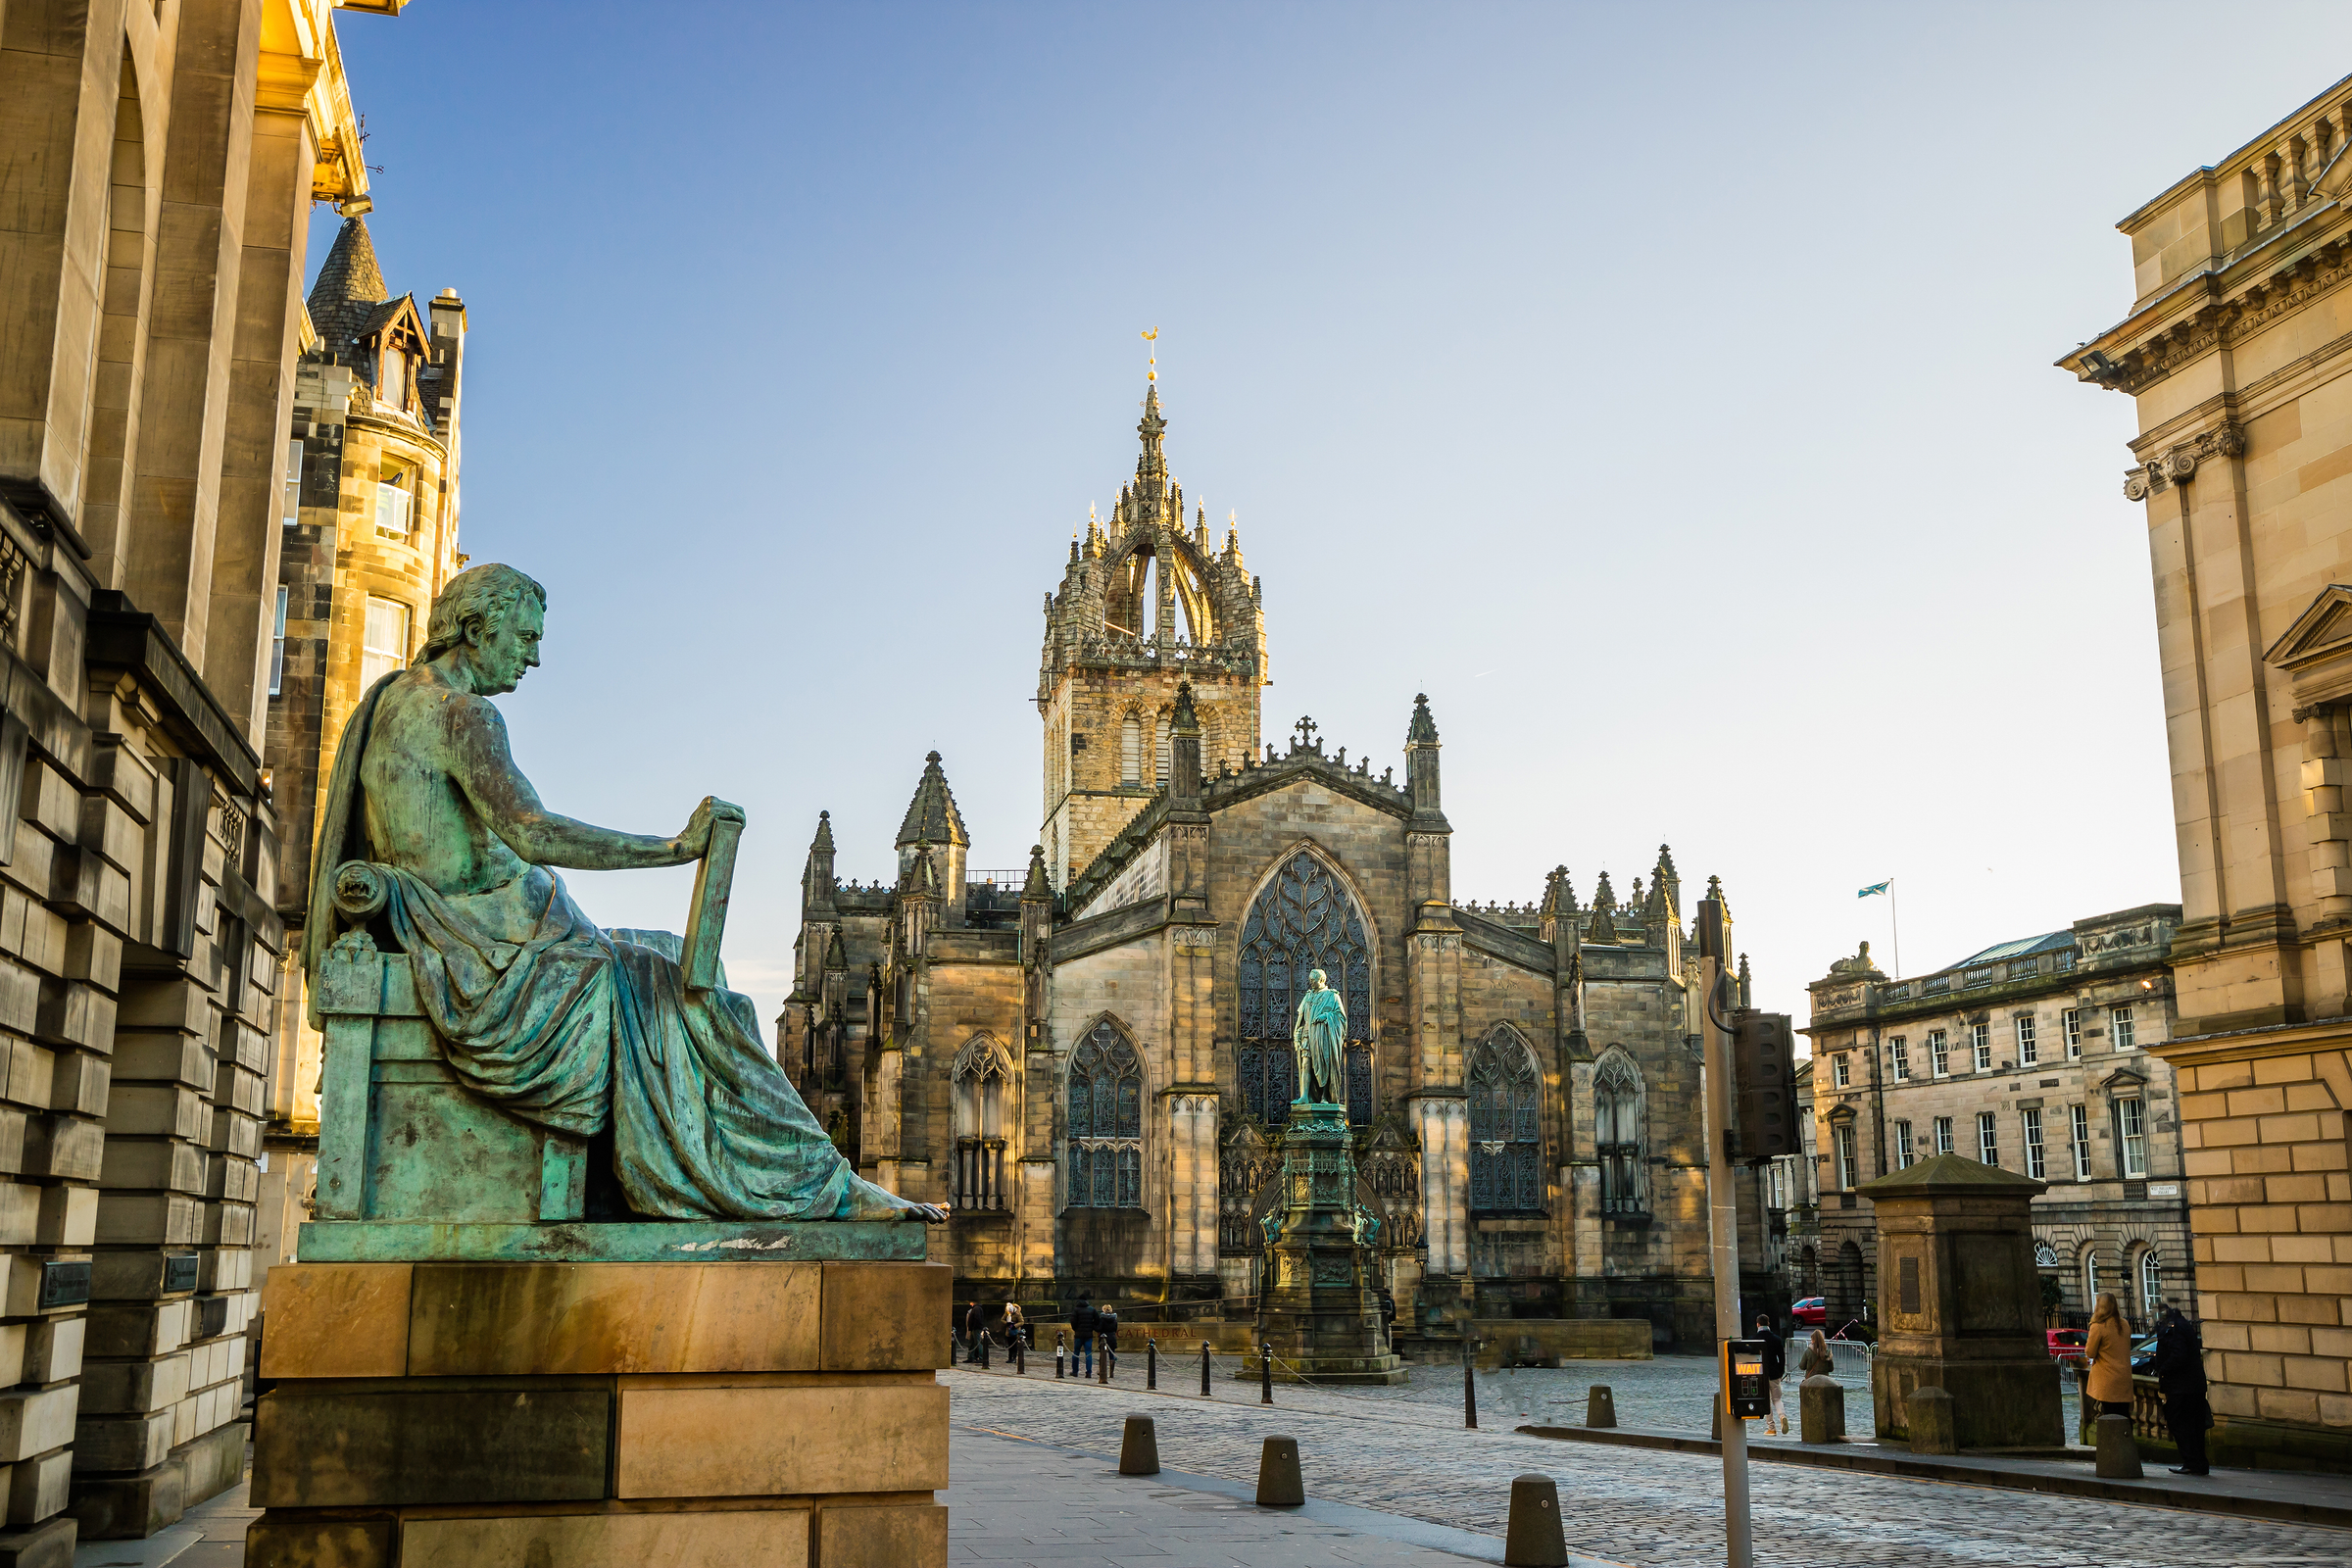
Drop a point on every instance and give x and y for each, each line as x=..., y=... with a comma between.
x=260, y=387
x=1192, y=1185
x=183, y=423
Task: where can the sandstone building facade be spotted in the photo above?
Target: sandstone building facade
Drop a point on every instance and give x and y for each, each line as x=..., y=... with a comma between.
x=370, y=529
x=2237, y=354
x=162, y=159
x=1088, y=1058
x=2038, y=1056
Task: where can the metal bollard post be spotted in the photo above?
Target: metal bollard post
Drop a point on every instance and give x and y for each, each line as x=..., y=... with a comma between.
x=1204, y=1394
x=1102, y=1359
x=1150, y=1362
x=1265, y=1373
x=982, y=1337
x=1057, y=1349
x=1020, y=1353
x=1469, y=1385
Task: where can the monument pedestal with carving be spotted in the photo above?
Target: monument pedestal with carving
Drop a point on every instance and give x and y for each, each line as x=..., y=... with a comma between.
x=1319, y=1306
x=1960, y=1305
x=467, y=1371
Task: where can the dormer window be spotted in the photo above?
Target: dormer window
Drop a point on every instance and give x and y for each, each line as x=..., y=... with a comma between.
x=395, y=501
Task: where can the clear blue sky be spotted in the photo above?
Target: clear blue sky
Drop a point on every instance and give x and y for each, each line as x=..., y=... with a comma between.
x=1665, y=390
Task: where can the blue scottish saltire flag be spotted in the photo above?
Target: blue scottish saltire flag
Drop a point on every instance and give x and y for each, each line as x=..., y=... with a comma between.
x=1875, y=886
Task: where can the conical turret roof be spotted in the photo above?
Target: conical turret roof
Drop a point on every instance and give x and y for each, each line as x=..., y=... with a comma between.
x=931, y=816
x=350, y=291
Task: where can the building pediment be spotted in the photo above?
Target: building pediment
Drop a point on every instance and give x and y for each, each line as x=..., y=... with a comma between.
x=2317, y=647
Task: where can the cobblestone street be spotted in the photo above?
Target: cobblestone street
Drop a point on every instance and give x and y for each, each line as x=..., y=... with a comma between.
x=1658, y=1509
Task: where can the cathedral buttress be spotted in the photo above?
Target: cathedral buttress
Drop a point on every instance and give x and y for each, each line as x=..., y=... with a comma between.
x=1144, y=607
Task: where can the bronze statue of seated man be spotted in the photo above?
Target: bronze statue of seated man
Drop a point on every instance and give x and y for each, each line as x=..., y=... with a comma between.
x=538, y=1010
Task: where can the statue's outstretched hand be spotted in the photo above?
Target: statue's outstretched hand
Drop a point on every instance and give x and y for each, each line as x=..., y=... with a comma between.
x=695, y=842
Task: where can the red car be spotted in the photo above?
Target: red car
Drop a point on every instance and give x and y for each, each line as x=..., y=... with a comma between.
x=1813, y=1311
x=2064, y=1343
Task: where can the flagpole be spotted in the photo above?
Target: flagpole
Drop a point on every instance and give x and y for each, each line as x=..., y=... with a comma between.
x=1894, y=918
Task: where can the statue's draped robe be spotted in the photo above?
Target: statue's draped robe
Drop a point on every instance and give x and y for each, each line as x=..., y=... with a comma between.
x=1320, y=1039
x=563, y=1025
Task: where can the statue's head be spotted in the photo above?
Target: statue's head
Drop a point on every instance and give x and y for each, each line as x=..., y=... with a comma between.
x=492, y=617
x=1314, y=980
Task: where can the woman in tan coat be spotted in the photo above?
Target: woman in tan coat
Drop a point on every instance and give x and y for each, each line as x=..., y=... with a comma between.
x=2108, y=1351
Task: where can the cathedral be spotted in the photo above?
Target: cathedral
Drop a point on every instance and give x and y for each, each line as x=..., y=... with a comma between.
x=1089, y=1061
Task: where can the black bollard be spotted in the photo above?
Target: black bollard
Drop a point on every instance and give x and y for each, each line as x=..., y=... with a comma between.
x=1102, y=1359
x=1469, y=1385
x=1265, y=1374
x=982, y=1337
x=1020, y=1353
x=1058, y=1348
x=1150, y=1362
x=1204, y=1394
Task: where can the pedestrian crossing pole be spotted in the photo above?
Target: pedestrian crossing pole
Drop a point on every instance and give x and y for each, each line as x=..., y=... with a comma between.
x=1723, y=1212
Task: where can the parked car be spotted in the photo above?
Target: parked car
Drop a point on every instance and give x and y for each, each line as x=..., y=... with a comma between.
x=2065, y=1343
x=2143, y=1353
x=1813, y=1311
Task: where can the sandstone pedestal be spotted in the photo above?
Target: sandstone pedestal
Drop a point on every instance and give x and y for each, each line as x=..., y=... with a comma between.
x=1960, y=1302
x=740, y=1410
x=1319, y=1307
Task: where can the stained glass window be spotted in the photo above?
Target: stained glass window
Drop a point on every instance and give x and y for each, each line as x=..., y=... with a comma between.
x=1303, y=920
x=1105, y=1132
x=1506, y=1139
x=1617, y=1136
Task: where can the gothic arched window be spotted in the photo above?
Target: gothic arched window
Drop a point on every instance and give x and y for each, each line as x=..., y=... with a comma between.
x=1304, y=919
x=979, y=1079
x=1617, y=1134
x=1506, y=1137
x=1106, y=1136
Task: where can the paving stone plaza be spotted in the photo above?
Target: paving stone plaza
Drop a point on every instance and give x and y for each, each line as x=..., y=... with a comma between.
x=1402, y=1452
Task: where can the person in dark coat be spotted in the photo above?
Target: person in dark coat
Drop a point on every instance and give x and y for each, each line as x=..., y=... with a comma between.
x=1084, y=1320
x=1388, y=1315
x=2179, y=1367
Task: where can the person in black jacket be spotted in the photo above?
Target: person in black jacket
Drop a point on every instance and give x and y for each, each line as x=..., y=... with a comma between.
x=1083, y=1322
x=1776, y=1367
x=2179, y=1367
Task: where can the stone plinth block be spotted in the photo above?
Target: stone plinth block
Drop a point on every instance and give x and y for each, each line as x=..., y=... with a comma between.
x=1600, y=1407
x=348, y=1448
x=762, y=1537
x=737, y=1408
x=792, y=1439
x=680, y=1241
x=882, y=1537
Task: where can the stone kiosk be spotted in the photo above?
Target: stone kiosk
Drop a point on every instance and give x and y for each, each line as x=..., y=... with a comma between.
x=587, y=1286
x=1960, y=1305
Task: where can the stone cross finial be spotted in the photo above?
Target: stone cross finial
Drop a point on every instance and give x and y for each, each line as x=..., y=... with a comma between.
x=1306, y=728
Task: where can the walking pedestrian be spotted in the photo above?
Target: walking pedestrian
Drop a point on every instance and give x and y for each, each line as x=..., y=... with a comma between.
x=971, y=1333
x=1106, y=1329
x=1776, y=1367
x=1083, y=1322
x=2108, y=1351
x=2180, y=1379
x=1388, y=1316
x=1016, y=1327
x=1816, y=1362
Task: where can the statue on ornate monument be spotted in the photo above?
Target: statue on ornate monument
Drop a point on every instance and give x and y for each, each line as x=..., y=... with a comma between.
x=429, y=825
x=1319, y=1036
